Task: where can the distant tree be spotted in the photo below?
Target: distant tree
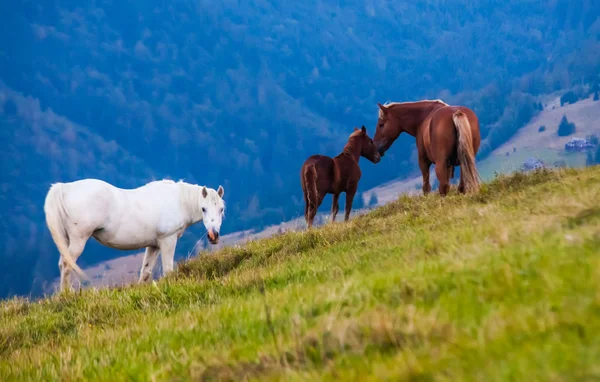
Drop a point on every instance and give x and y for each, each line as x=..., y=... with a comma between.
x=589, y=160
x=568, y=97
x=597, y=157
x=593, y=139
x=373, y=200
x=596, y=98
x=560, y=163
x=358, y=201
x=542, y=128
x=565, y=128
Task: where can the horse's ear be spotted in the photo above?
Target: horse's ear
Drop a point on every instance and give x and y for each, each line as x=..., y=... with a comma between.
x=384, y=109
x=364, y=130
x=221, y=191
x=355, y=128
x=204, y=192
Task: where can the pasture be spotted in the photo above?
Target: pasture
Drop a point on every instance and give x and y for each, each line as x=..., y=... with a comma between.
x=501, y=285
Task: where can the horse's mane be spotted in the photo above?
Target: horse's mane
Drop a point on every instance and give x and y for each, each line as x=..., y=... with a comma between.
x=351, y=144
x=191, y=193
x=168, y=181
x=391, y=104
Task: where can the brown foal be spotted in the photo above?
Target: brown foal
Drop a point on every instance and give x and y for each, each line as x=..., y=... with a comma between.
x=322, y=175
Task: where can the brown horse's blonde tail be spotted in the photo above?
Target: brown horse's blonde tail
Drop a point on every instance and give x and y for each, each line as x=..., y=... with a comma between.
x=466, y=152
x=310, y=183
x=54, y=209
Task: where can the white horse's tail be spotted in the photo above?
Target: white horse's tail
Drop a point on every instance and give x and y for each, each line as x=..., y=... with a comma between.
x=54, y=208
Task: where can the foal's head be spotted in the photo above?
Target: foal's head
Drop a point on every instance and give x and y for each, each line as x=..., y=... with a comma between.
x=213, y=207
x=367, y=147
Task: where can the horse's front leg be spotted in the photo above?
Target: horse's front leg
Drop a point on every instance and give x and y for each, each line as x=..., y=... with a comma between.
x=150, y=258
x=167, y=252
x=350, y=192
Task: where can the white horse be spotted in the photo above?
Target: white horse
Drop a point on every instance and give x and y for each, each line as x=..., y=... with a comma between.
x=153, y=216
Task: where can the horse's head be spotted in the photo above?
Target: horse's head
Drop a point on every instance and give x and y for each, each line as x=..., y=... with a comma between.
x=213, y=208
x=387, y=129
x=367, y=147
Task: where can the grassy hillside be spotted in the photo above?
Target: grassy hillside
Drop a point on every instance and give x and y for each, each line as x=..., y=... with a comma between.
x=424, y=288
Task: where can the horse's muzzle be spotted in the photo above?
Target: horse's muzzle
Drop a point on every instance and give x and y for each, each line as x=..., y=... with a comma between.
x=381, y=147
x=213, y=237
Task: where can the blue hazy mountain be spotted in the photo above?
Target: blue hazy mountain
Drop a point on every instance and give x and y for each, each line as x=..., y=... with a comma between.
x=240, y=93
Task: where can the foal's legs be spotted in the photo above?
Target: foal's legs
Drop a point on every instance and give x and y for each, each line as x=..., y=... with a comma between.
x=350, y=192
x=150, y=258
x=334, y=207
x=424, y=165
x=76, y=246
x=312, y=210
x=305, y=208
x=167, y=252
x=442, y=171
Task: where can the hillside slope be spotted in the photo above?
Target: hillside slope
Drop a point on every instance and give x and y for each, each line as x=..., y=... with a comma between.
x=424, y=288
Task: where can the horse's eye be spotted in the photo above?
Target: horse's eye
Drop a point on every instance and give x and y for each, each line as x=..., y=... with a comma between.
x=222, y=209
x=203, y=210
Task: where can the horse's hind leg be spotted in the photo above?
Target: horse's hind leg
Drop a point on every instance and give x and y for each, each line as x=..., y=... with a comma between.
x=311, y=213
x=150, y=257
x=76, y=246
x=306, y=206
x=425, y=165
x=335, y=207
x=313, y=208
x=442, y=171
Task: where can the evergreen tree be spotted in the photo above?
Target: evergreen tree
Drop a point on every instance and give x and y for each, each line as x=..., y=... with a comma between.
x=568, y=98
x=373, y=200
x=589, y=160
x=596, y=96
x=358, y=201
x=565, y=128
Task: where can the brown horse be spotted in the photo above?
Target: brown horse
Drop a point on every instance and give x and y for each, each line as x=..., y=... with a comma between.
x=322, y=175
x=447, y=136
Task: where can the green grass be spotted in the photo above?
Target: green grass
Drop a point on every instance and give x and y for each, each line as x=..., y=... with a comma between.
x=503, y=285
